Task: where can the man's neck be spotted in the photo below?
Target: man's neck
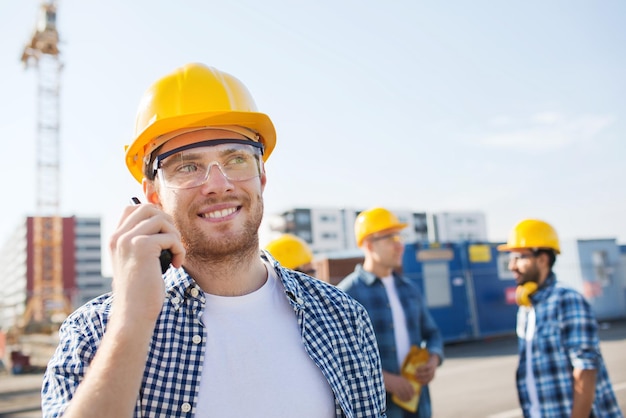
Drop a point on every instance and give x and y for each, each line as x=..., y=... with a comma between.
x=376, y=269
x=229, y=277
x=543, y=277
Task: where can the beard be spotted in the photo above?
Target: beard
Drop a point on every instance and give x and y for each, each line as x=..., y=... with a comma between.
x=531, y=275
x=228, y=243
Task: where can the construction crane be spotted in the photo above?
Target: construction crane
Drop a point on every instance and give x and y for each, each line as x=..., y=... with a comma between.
x=42, y=52
x=47, y=302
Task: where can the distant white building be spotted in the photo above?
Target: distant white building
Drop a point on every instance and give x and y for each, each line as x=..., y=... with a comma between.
x=331, y=230
x=459, y=226
x=88, y=261
x=13, y=278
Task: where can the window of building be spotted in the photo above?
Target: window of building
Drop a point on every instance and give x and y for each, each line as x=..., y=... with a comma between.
x=303, y=218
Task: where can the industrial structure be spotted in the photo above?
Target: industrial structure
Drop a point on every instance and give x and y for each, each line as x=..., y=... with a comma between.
x=29, y=318
x=471, y=293
x=80, y=271
x=47, y=303
x=330, y=231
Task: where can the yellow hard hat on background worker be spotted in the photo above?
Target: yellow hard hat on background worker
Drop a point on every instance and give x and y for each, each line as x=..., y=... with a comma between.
x=193, y=97
x=375, y=220
x=532, y=234
x=292, y=252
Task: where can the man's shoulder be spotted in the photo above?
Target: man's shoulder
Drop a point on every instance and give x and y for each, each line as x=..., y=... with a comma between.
x=327, y=297
x=312, y=285
x=99, y=306
x=564, y=290
x=351, y=281
x=564, y=297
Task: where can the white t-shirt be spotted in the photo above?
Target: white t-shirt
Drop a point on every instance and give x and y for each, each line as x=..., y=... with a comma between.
x=400, y=330
x=526, y=322
x=255, y=363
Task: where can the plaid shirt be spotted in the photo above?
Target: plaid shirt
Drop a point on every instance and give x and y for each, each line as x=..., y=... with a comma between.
x=370, y=292
x=336, y=333
x=566, y=337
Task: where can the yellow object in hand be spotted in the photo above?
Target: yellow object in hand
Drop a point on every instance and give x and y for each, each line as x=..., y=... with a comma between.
x=415, y=358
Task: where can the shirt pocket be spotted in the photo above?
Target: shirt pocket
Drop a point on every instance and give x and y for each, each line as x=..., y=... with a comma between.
x=548, y=339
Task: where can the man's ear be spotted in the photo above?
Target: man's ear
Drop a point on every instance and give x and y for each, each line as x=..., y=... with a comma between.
x=543, y=260
x=262, y=174
x=150, y=191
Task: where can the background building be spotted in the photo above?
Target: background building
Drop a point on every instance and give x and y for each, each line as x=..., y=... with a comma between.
x=13, y=262
x=331, y=230
x=75, y=271
x=458, y=226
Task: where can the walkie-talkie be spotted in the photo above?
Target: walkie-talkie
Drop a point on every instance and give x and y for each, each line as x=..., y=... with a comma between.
x=166, y=255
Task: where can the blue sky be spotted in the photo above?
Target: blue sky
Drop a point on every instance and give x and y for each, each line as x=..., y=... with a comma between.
x=515, y=109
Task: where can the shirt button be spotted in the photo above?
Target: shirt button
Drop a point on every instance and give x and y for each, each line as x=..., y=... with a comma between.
x=194, y=292
x=196, y=339
x=176, y=300
x=185, y=407
x=299, y=301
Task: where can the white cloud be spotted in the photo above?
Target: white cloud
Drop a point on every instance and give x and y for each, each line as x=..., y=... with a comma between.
x=545, y=131
x=547, y=118
x=501, y=120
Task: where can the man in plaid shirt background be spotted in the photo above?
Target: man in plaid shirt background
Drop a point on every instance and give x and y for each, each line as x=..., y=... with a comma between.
x=561, y=372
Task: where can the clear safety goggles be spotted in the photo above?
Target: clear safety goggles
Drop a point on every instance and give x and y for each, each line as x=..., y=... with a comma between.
x=190, y=165
x=515, y=256
x=391, y=237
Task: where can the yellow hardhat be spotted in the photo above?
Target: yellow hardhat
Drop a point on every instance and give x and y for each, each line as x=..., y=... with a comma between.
x=375, y=220
x=194, y=96
x=532, y=234
x=290, y=251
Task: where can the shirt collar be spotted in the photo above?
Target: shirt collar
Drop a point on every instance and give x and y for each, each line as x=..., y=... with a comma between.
x=370, y=278
x=180, y=285
x=545, y=289
x=288, y=278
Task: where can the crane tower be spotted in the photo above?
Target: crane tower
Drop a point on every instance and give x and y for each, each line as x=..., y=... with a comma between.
x=42, y=52
x=46, y=299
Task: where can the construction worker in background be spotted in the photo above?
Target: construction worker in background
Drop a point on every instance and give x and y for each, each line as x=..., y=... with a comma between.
x=292, y=252
x=223, y=331
x=561, y=372
x=397, y=309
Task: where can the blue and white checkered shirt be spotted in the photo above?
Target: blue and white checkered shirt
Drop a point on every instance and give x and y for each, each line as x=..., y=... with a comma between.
x=336, y=332
x=565, y=337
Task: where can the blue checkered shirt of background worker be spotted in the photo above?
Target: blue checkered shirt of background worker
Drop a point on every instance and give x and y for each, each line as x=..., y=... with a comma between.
x=565, y=337
x=336, y=332
x=370, y=292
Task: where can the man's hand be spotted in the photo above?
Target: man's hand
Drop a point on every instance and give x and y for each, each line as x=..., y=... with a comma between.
x=142, y=233
x=113, y=381
x=426, y=372
x=399, y=386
